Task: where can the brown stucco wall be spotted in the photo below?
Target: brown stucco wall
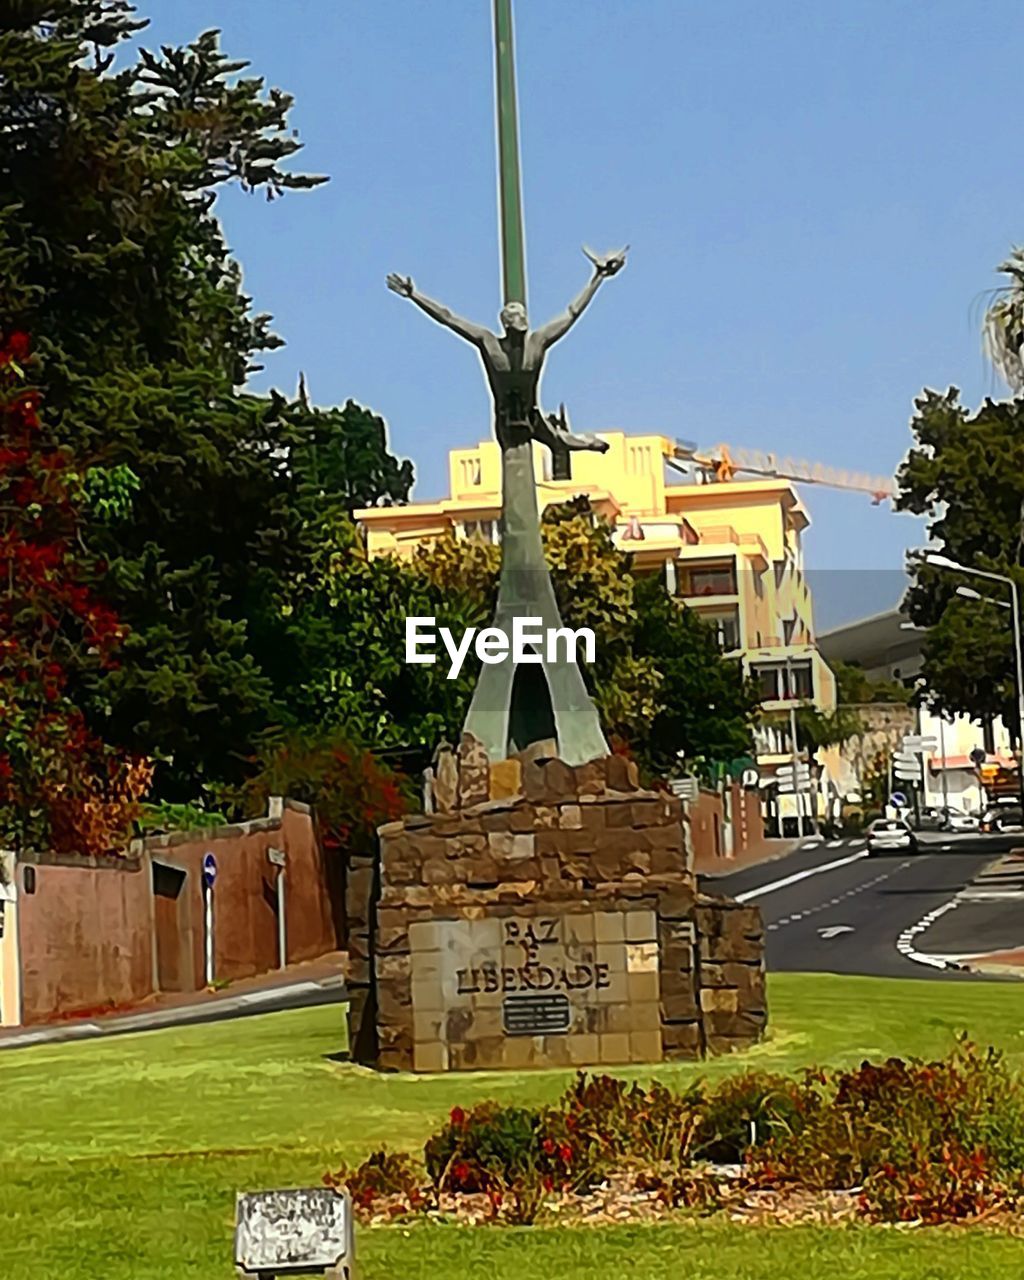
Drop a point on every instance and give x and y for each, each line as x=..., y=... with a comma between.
x=245, y=895
x=87, y=935
x=707, y=831
x=84, y=936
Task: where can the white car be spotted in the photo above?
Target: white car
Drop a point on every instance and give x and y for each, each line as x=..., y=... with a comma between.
x=957, y=820
x=891, y=835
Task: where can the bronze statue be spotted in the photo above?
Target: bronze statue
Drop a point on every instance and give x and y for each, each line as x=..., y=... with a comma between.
x=514, y=360
x=543, y=704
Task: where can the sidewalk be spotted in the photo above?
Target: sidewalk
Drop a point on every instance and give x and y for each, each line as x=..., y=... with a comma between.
x=313, y=982
x=711, y=867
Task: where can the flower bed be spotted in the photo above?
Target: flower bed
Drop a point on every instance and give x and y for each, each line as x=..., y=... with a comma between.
x=898, y=1142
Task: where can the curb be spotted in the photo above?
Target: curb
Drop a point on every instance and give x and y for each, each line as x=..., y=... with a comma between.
x=299, y=995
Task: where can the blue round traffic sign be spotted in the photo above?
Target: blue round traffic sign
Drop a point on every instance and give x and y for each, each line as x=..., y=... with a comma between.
x=898, y=799
x=209, y=870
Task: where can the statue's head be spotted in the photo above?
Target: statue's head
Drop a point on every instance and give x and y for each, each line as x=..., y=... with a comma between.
x=513, y=318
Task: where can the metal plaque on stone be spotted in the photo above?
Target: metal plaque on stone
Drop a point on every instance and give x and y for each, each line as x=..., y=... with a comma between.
x=307, y=1231
x=539, y=1015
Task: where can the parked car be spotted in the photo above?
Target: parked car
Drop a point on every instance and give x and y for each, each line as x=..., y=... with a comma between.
x=1001, y=819
x=891, y=835
x=931, y=820
x=958, y=820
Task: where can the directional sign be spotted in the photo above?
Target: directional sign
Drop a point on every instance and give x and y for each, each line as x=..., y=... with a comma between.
x=209, y=870
x=786, y=771
x=906, y=757
x=685, y=788
x=787, y=787
x=908, y=775
x=919, y=742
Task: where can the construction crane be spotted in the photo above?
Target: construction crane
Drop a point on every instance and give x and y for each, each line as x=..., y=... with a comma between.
x=723, y=462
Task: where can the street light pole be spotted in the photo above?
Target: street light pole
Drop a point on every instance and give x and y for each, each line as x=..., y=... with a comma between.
x=1015, y=597
x=944, y=562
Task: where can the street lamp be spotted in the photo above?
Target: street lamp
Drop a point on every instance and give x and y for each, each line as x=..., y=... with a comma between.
x=969, y=593
x=944, y=562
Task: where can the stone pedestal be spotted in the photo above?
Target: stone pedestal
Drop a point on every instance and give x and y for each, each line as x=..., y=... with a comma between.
x=559, y=925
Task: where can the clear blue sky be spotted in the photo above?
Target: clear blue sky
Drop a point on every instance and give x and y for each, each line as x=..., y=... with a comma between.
x=816, y=196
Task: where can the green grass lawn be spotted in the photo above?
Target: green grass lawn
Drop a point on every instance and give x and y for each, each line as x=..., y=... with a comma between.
x=120, y=1159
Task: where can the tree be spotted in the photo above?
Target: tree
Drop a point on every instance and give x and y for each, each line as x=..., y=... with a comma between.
x=854, y=686
x=967, y=472
x=659, y=678
x=111, y=252
x=60, y=786
x=1003, y=330
x=707, y=705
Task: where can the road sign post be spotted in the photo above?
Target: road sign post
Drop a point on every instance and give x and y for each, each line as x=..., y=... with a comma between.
x=209, y=879
x=277, y=858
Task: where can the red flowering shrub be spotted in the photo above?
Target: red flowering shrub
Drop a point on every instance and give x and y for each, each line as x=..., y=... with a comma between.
x=933, y=1188
x=390, y=1176
x=352, y=791
x=486, y=1149
x=603, y=1123
x=923, y=1142
x=59, y=785
x=942, y=1135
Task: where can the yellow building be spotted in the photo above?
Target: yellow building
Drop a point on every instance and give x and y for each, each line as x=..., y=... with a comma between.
x=732, y=551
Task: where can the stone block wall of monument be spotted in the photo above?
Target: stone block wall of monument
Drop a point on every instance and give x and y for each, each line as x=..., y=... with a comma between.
x=550, y=917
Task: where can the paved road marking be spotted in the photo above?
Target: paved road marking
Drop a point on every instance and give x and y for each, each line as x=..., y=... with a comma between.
x=830, y=931
x=834, y=844
x=759, y=892
x=850, y=893
x=905, y=942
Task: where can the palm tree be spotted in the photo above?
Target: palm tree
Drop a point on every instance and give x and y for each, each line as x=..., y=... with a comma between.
x=1003, y=326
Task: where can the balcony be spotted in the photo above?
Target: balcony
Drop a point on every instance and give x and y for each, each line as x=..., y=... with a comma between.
x=717, y=535
x=703, y=582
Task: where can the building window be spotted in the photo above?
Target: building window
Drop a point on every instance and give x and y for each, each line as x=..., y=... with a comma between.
x=471, y=471
x=480, y=530
x=778, y=683
x=726, y=627
x=709, y=580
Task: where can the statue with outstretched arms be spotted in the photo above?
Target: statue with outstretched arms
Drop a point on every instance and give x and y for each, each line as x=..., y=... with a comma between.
x=545, y=700
x=514, y=359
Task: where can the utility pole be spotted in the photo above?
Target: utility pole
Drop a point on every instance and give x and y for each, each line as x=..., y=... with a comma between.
x=795, y=751
x=510, y=199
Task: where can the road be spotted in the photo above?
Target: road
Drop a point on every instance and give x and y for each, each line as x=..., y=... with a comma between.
x=828, y=907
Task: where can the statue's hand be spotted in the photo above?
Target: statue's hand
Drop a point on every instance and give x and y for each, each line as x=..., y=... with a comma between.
x=400, y=284
x=607, y=264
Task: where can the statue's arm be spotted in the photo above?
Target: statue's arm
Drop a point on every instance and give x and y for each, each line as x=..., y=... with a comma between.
x=557, y=328
x=475, y=333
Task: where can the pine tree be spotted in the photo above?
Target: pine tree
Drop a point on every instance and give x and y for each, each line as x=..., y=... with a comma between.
x=111, y=254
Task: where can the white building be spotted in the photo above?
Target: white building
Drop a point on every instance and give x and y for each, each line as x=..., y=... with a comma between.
x=885, y=650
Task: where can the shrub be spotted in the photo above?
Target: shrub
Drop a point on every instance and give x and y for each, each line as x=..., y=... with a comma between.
x=485, y=1149
x=959, y=1184
x=382, y=1175
x=602, y=1124
x=750, y=1109
x=902, y=1115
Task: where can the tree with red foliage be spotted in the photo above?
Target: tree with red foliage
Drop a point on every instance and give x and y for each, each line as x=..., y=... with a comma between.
x=59, y=785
